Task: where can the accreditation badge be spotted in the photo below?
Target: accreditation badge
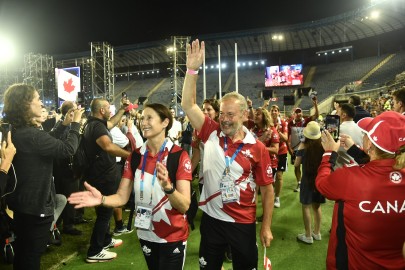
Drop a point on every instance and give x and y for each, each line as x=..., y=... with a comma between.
x=228, y=190
x=143, y=218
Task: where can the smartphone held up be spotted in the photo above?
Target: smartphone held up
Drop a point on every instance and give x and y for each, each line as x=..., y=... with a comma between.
x=5, y=129
x=332, y=124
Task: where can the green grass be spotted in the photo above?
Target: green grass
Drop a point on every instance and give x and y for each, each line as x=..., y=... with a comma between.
x=285, y=252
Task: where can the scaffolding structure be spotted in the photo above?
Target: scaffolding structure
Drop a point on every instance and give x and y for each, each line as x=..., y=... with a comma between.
x=102, y=70
x=39, y=72
x=179, y=68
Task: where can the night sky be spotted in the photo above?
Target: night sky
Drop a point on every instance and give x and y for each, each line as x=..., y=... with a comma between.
x=59, y=26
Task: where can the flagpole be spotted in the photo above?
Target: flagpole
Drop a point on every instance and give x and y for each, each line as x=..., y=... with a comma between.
x=219, y=72
x=204, y=80
x=236, y=67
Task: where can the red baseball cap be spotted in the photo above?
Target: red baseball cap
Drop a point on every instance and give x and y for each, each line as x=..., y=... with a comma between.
x=386, y=130
x=131, y=106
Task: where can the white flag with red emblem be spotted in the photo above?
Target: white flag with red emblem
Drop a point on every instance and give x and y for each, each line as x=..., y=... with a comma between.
x=68, y=85
x=266, y=261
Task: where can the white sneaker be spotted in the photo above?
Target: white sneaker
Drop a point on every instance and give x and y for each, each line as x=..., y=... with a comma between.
x=307, y=240
x=277, y=202
x=122, y=230
x=114, y=243
x=317, y=237
x=102, y=256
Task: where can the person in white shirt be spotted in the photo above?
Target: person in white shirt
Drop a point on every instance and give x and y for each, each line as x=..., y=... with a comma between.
x=346, y=111
x=175, y=131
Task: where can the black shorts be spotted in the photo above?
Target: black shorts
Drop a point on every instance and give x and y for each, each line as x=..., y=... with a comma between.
x=282, y=162
x=169, y=256
x=216, y=235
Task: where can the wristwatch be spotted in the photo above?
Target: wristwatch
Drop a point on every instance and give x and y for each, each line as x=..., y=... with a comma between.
x=170, y=191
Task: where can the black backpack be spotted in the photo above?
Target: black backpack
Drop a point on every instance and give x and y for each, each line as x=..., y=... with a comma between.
x=80, y=162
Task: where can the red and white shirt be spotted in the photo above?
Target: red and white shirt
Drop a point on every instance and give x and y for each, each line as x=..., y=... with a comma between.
x=373, y=214
x=250, y=168
x=168, y=225
x=282, y=126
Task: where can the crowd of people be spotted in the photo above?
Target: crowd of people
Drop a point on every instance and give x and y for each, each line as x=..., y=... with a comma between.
x=238, y=151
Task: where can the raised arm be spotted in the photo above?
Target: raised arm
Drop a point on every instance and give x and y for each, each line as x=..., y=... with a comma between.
x=195, y=57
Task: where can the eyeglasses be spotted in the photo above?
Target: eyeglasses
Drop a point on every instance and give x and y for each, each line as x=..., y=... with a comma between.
x=227, y=115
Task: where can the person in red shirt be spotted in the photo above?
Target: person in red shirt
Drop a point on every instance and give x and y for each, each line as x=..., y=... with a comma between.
x=235, y=165
x=368, y=217
x=160, y=202
x=282, y=129
x=266, y=132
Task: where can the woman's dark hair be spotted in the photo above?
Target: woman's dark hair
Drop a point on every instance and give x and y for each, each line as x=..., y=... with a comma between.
x=215, y=105
x=313, y=156
x=163, y=113
x=17, y=99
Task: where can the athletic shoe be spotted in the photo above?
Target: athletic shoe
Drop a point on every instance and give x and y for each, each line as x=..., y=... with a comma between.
x=114, y=243
x=277, y=202
x=307, y=240
x=297, y=189
x=317, y=237
x=103, y=256
x=123, y=230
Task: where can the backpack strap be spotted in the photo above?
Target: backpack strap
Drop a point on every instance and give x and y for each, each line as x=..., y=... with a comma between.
x=135, y=160
x=172, y=163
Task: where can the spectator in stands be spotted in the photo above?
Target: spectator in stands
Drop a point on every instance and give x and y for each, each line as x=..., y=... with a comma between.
x=295, y=136
x=102, y=173
x=398, y=100
x=309, y=154
x=346, y=113
x=282, y=129
x=233, y=157
x=163, y=232
x=33, y=201
x=175, y=131
x=360, y=111
x=367, y=225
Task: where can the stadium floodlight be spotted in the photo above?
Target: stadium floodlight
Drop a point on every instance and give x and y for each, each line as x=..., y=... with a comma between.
x=333, y=51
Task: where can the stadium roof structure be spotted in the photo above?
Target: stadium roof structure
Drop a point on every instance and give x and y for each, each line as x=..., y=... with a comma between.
x=375, y=19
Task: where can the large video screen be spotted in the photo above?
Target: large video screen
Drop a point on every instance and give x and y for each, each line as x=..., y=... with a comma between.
x=284, y=75
x=68, y=82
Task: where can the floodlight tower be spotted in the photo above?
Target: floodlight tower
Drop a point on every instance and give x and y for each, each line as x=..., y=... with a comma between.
x=179, y=52
x=39, y=72
x=102, y=63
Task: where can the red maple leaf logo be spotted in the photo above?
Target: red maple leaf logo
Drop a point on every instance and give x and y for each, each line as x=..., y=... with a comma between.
x=68, y=86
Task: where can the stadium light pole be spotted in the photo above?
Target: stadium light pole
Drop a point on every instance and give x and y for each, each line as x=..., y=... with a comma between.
x=236, y=67
x=219, y=72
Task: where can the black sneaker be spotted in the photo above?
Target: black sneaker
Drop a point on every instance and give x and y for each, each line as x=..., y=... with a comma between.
x=54, y=239
x=72, y=231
